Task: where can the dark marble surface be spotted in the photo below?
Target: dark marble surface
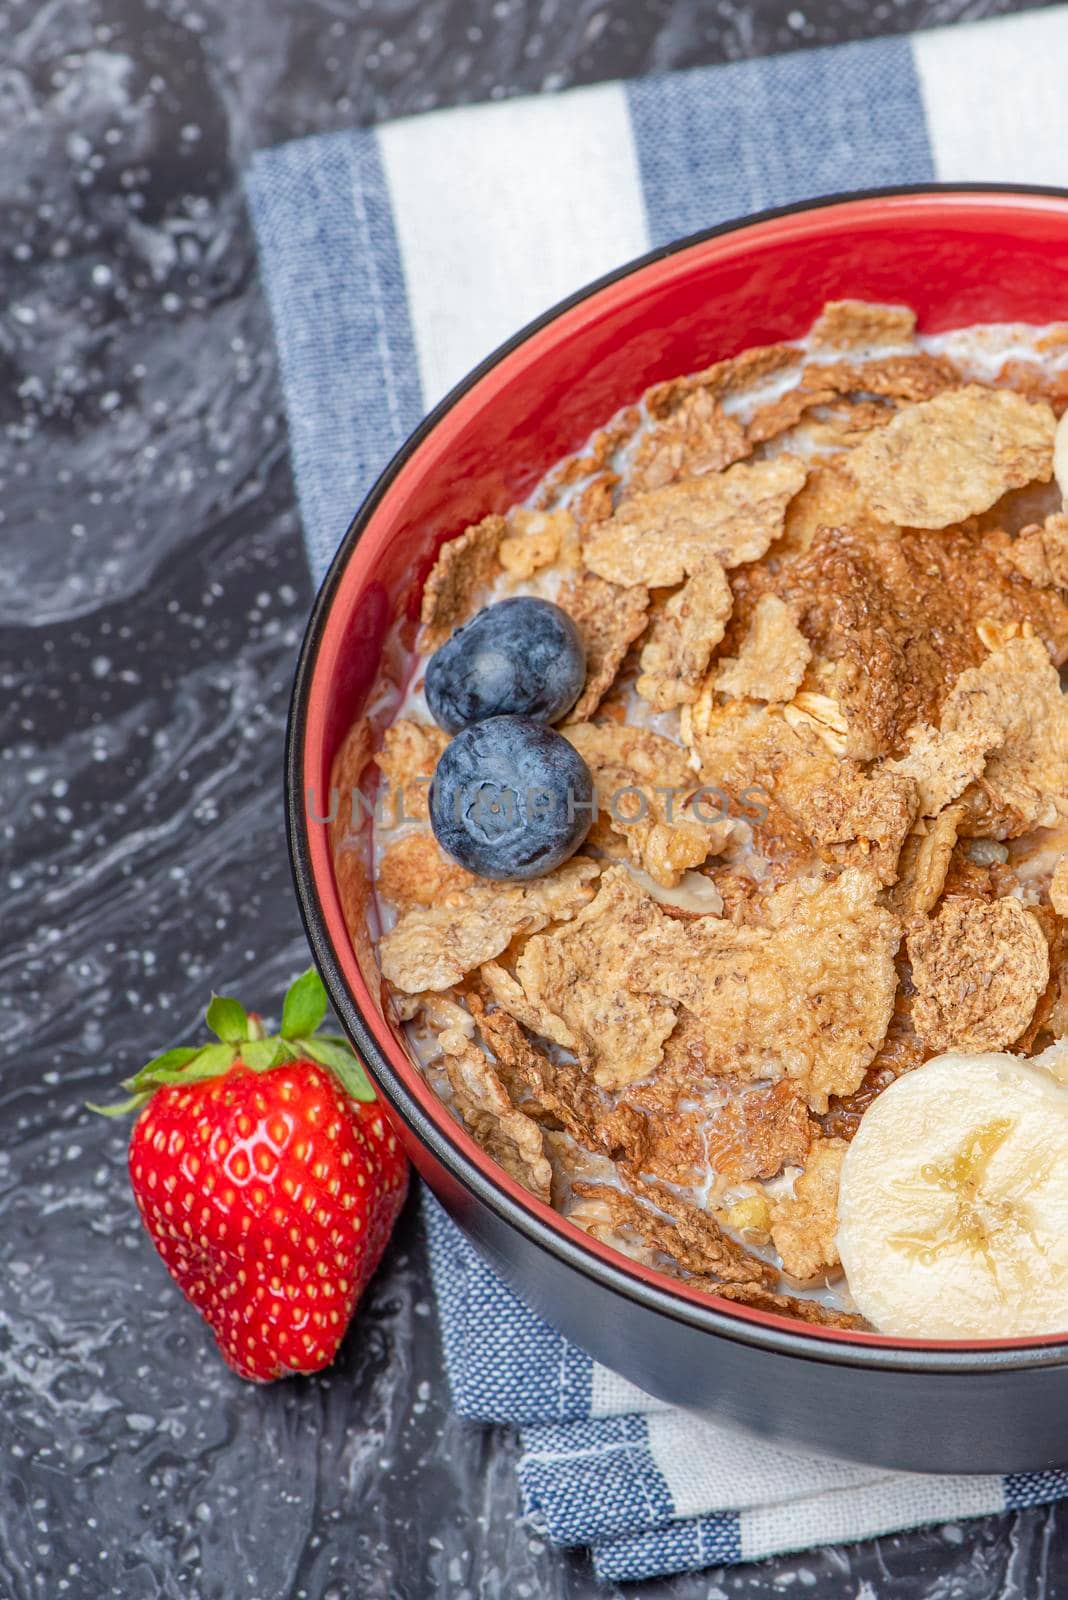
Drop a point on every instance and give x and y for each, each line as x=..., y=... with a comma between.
x=152, y=596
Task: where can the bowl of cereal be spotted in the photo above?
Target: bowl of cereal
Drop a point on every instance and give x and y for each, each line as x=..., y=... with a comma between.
x=677, y=792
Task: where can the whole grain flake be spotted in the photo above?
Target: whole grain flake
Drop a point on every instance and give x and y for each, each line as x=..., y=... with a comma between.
x=807, y=994
x=979, y=967
x=757, y=1134
x=682, y=637
x=697, y=437
x=537, y=539
x=660, y=537
x=902, y=377
x=854, y=324
x=464, y=569
x=609, y=618
x=1058, y=889
x=771, y=661
x=1014, y=700
x=407, y=759
x=722, y=378
x=924, y=863
x=576, y=975
x=647, y=797
x=955, y=455
x=1041, y=552
x=434, y=947
x=685, y=1234
x=414, y=870
x=804, y=1224
x=508, y=1135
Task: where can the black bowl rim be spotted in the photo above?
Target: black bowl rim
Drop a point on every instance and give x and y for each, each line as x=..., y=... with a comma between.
x=808, y=1345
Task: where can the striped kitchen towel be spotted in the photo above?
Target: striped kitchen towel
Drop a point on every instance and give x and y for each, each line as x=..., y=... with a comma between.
x=650, y=1489
x=394, y=259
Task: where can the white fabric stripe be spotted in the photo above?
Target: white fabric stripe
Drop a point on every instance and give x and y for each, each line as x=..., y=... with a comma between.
x=995, y=98
x=709, y=1468
x=904, y=1501
x=498, y=216
x=611, y=1394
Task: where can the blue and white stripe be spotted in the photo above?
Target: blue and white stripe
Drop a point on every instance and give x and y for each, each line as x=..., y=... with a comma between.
x=394, y=260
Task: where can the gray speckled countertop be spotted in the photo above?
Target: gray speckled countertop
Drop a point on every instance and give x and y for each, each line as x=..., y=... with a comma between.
x=152, y=597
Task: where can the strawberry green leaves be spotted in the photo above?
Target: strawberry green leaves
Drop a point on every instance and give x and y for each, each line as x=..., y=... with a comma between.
x=263, y=1054
x=121, y=1109
x=335, y=1054
x=171, y=1060
x=187, y=1065
x=304, y=1007
x=241, y=1041
x=227, y=1019
x=165, y=1068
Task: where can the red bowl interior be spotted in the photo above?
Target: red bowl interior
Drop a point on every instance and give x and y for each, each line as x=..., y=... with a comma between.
x=955, y=256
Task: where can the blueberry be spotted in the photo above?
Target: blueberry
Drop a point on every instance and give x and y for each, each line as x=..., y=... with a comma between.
x=521, y=658
x=510, y=798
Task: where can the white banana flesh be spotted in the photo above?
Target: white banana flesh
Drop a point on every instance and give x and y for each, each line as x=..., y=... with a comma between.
x=953, y=1205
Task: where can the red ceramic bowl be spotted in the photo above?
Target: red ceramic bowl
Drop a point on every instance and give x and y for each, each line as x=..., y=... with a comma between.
x=958, y=256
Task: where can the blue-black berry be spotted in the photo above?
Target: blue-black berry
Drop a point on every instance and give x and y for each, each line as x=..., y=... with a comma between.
x=522, y=657
x=510, y=798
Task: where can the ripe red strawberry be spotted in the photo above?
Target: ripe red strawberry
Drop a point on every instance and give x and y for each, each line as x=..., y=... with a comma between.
x=269, y=1181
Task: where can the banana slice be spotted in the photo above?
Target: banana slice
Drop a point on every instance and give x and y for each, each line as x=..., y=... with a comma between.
x=953, y=1204
x=1056, y=1060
